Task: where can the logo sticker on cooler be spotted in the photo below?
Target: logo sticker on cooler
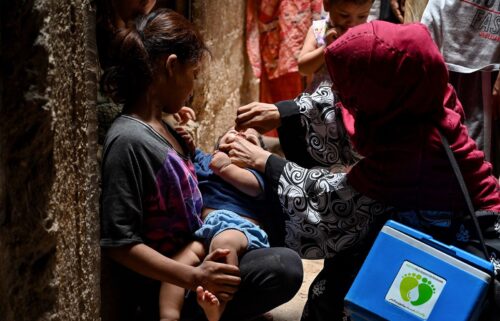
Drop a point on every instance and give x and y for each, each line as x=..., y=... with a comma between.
x=415, y=290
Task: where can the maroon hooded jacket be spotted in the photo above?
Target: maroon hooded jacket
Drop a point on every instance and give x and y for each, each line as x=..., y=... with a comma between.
x=393, y=84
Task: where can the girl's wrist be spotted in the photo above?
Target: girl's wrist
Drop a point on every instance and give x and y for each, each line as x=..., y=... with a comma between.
x=196, y=278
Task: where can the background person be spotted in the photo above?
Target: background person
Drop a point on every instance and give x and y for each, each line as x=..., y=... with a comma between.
x=471, y=49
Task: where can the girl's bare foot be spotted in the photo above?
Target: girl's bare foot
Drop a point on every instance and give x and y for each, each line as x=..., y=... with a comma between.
x=210, y=304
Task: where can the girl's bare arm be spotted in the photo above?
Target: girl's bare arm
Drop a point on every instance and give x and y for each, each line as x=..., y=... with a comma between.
x=219, y=278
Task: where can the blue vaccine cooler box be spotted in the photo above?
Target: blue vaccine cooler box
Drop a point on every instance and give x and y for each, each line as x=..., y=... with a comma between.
x=410, y=276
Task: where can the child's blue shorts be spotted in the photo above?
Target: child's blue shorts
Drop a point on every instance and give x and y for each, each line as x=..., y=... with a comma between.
x=221, y=220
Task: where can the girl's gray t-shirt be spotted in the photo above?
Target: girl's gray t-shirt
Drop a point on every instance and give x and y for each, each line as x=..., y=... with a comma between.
x=149, y=191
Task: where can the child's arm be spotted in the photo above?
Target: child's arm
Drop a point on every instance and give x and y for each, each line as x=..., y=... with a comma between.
x=240, y=178
x=311, y=57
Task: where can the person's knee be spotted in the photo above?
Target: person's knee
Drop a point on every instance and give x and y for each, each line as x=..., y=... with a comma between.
x=292, y=272
x=230, y=239
x=289, y=271
x=271, y=268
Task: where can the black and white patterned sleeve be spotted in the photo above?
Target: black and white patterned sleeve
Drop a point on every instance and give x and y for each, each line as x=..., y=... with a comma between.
x=324, y=214
x=312, y=132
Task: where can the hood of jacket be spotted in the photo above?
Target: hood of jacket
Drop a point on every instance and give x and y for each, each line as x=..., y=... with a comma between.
x=395, y=98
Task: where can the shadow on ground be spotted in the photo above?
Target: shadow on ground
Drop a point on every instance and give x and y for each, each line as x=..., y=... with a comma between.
x=292, y=310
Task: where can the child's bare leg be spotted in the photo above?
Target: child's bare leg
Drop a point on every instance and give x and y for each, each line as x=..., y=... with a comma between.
x=233, y=240
x=210, y=304
x=171, y=302
x=172, y=296
x=237, y=243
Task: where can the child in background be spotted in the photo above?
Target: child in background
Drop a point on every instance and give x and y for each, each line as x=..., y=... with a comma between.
x=342, y=15
x=233, y=202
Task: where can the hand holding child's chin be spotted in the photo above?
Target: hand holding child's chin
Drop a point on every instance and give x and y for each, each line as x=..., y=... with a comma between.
x=246, y=154
x=251, y=138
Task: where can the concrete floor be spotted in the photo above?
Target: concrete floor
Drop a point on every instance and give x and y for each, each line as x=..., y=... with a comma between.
x=292, y=310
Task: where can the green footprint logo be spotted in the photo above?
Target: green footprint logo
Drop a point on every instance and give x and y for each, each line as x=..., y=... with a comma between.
x=408, y=283
x=424, y=287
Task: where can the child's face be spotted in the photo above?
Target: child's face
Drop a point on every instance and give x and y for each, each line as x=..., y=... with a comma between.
x=345, y=14
x=250, y=134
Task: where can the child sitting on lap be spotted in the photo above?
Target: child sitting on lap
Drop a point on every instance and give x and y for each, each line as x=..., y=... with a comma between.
x=233, y=202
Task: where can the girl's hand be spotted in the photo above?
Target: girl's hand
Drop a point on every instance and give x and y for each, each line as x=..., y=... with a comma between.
x=188, y=139
x=219, y=161
x=184, y=115
x=217, y=277
x=260, y=116
x=245, y=154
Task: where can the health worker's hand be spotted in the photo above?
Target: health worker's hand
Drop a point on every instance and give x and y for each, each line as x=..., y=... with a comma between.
x=260, y=116
x=246, y=154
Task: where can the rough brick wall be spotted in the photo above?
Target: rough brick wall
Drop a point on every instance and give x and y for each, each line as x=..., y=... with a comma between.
x=49, y=254
x=49, y=175
x=226, y=82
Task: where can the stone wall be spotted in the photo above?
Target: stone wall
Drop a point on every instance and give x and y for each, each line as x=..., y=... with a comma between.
x=49, y=181
x=226, y=82
x=49, y=253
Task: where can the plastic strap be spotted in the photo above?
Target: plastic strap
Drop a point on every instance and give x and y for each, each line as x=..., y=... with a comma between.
x=465, y=192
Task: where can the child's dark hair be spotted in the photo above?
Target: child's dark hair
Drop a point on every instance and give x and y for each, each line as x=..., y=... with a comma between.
x=138, y=48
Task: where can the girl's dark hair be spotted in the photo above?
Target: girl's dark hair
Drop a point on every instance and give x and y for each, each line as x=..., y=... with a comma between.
x=138, y=48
